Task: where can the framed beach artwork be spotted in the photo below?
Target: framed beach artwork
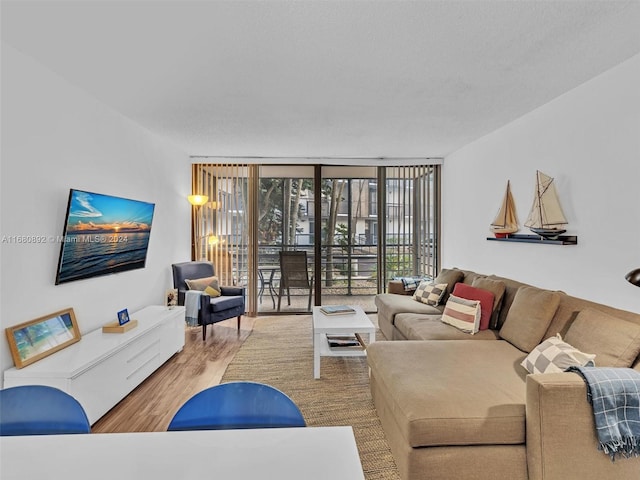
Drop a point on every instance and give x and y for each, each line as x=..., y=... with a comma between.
x=30, y=341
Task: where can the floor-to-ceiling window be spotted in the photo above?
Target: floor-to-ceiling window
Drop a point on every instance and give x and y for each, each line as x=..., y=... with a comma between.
x=220, y=232
x=286, y=223
x=356, y=227
x=409, y=221
x=347, y=245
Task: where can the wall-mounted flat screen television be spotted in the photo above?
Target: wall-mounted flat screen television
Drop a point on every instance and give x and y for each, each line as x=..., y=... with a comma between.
x=102, y=235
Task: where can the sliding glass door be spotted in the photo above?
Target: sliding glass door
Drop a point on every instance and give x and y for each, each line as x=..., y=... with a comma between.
x=348, y=241
x=285, y=238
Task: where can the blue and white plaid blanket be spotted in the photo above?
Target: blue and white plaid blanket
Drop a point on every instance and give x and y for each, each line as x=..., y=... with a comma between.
x=411, y=283
x=614, y=394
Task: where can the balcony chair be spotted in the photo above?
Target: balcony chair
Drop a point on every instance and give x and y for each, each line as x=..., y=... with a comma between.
x=40, y=410
x=294, y=273
x=211, y=310
x=237, y=405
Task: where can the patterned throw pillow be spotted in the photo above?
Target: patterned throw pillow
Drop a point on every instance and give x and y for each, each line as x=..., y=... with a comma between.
x=208, y=285
x=463, y=314
x=429, y=293
x=555, y=356
x=485, y=297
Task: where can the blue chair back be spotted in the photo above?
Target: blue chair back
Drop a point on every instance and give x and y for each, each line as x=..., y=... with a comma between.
x=189, y=270
x=237, y=405
x=40, y=410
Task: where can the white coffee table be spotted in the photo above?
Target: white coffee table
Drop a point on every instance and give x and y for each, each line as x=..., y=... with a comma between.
x=355, y=323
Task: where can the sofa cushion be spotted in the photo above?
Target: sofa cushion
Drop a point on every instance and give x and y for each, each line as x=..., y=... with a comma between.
x=529, y=317
x=450, y=277
x=467, y=393
x=555, y=356
x=416, y=326
x=497, y=287
x=430, y=293
x=463, y=314
x=511, y=287
x=615, y=342
x=219, y=304
x=485, y=297
x=389, y=305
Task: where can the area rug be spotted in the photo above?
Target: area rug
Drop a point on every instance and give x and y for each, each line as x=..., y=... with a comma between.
x=279, y=352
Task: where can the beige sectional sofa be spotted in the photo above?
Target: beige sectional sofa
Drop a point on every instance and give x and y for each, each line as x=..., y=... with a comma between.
x=460, y=406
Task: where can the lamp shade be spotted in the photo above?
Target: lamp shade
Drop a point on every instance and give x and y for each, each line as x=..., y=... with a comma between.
x=634, y=277
x=198, y=200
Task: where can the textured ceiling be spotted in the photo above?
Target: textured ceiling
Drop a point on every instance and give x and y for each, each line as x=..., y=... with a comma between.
x=312, y=78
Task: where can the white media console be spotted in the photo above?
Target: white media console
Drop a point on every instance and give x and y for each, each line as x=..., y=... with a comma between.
x=102, y=368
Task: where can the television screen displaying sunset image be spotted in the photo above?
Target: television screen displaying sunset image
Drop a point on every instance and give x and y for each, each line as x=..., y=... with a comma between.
x=102, y=235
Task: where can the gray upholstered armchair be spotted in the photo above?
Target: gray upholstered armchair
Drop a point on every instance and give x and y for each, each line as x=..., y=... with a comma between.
x=212, y=309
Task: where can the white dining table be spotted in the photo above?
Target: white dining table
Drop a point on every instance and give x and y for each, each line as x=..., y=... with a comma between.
x=310, y=453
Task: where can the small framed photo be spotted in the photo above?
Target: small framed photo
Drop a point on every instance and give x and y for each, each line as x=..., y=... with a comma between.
x=123, y=316
x=30, y=341
x=171, y=297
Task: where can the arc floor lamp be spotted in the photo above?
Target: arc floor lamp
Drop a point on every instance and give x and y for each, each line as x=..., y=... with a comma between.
x=634, y=277
x=197, y=201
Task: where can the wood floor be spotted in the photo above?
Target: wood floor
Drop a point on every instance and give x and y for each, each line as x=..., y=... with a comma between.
x=151, y=406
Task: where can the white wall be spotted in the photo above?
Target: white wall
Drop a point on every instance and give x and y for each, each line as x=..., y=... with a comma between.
x=55, y=137
x=589, y=141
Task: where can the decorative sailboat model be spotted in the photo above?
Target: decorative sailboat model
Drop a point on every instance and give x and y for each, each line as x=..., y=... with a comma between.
x=506, y=222
x=546, y=218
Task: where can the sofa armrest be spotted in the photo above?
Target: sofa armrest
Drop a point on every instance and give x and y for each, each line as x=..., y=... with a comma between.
x=561, y=434
x=397, y=287
x=229, y=291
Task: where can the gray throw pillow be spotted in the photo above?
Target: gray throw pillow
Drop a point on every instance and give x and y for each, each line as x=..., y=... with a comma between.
x=450, y=277
x=496, y=287
x=529, y=317
x=615, y=342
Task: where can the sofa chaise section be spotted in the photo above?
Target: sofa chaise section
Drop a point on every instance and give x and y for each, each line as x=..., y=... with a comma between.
x=390, y=304
x=430, y=327
x=439, y=406
x=455, y=405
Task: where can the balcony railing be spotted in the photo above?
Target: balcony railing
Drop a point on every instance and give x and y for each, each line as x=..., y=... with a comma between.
x=345, y=269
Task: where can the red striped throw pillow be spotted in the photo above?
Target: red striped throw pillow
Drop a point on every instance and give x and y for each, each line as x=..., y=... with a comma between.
x=485, y=297
x=462, y=314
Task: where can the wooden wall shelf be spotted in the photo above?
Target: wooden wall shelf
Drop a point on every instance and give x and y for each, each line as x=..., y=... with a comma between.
x=561, y=240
